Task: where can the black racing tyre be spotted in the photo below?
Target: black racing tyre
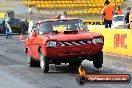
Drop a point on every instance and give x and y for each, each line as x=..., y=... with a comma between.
x=23, y=29
x=81, y=80
x=75, y=63
x=98, y=60
x=44, y=62
x=32, y=62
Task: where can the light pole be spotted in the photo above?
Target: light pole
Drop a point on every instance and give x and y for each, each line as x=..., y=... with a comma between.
x=5, y=6
x=87, y=10
x=29, y=11
x=55, y=6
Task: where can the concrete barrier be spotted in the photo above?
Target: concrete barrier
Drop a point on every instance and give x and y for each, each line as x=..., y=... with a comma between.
x=117, y=41
x=93, y=22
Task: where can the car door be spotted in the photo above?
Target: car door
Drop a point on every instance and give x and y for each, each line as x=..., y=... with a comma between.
x=15, y=22
x=12, y=22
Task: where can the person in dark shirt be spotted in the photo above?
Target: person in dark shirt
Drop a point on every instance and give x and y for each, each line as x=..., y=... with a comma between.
x=127, y=15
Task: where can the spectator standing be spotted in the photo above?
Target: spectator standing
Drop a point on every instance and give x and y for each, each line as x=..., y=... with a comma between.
x=130, y=20
x=107, y=13
x=118, y=11
x=127, y=15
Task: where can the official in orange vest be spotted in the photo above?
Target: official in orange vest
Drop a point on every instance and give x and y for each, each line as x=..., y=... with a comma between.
x=107, y=13
x=118, y=11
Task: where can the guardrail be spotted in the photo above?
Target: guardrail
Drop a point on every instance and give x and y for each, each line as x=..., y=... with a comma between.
x=93, y=22
x=116, y=41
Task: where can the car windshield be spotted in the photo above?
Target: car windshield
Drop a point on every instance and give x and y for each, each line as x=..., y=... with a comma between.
x=1, y=21
x=119, y=18
x=62, y=25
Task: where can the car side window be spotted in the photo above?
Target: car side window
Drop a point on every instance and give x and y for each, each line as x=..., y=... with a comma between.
x=40, y=28
x=37, y=28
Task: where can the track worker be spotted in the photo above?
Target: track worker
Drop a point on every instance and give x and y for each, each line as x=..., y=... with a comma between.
x=130, y=20
x=8, y=27
x=107, y=13
x=127, y=15
x=118, y=11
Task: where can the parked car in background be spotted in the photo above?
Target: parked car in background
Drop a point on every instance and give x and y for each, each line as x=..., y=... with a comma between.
x=118, y=21
x=17, y=25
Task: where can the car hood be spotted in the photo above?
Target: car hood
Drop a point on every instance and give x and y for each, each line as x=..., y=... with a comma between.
x=73, y=37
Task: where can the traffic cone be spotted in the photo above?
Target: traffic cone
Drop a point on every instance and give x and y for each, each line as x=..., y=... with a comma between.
x=21, y=37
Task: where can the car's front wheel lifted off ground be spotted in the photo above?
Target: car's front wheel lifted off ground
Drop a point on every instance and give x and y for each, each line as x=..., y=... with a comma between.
x=98, y=60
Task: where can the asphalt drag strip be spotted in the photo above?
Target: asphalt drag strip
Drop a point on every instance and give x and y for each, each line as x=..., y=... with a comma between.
x=15, y=73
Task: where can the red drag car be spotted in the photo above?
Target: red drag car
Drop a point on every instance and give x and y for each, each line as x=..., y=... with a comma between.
x=64, y=40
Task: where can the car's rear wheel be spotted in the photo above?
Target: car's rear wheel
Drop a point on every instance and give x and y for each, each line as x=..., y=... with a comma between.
x=23, y=29
x=98, y=60
x=32, y=62
x=44, y=62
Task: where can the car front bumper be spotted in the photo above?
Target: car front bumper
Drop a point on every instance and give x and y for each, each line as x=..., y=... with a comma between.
x=74, y=51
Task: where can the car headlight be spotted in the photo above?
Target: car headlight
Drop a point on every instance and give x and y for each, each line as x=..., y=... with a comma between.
x=51, y=44
x=97, y=40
